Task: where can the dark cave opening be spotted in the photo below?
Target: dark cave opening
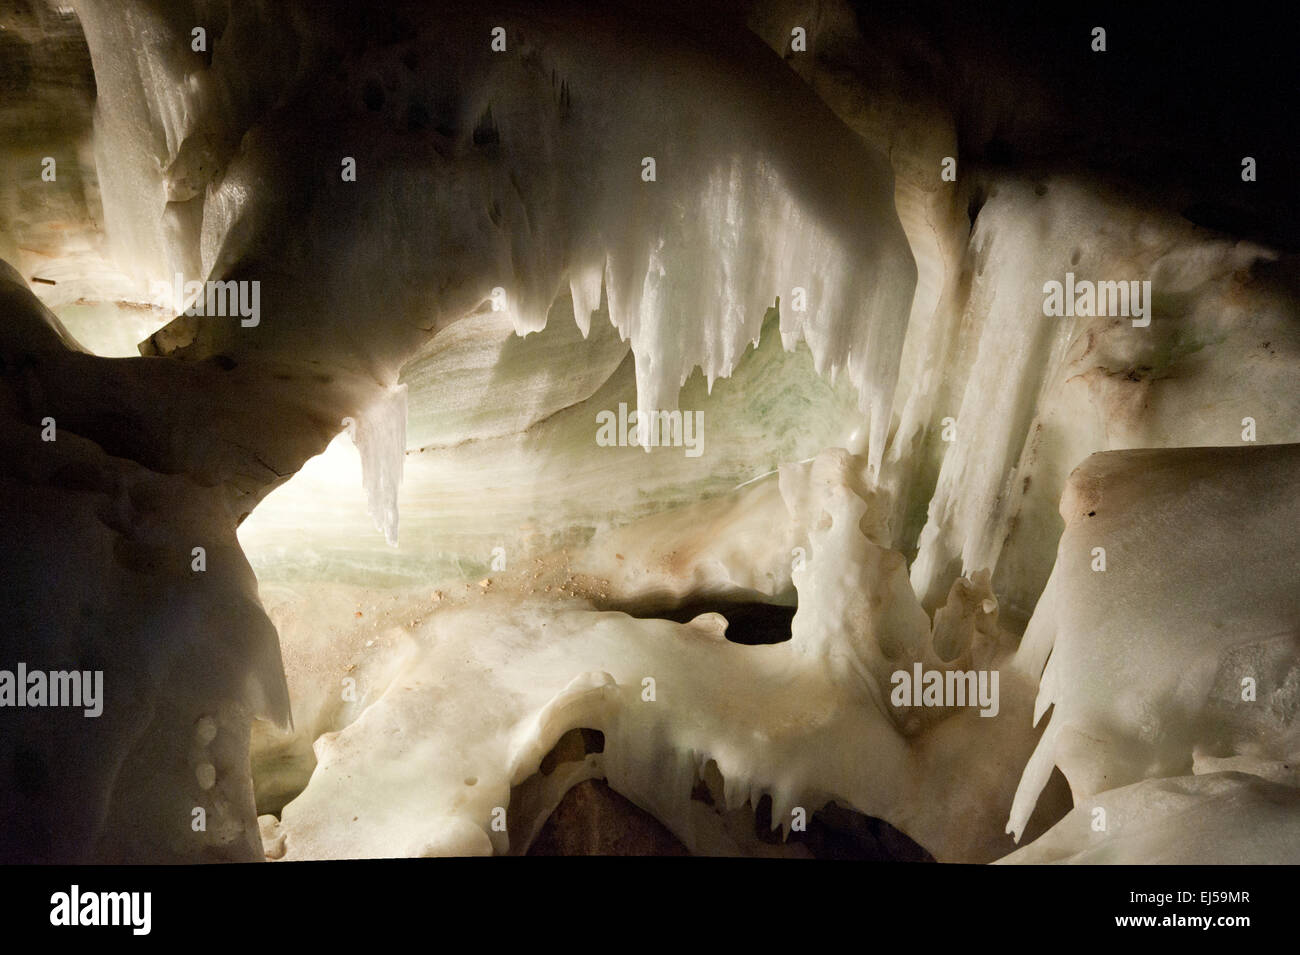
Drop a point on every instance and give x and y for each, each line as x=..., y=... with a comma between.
x=750, y=624
x=593, y=818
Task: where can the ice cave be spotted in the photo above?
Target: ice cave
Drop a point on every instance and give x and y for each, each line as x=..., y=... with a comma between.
x=795, y=429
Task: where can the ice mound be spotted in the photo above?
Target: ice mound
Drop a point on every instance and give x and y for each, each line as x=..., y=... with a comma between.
x=491, y=684
x=1170, y=621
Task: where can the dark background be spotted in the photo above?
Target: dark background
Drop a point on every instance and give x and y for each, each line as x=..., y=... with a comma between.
x=1181, y=94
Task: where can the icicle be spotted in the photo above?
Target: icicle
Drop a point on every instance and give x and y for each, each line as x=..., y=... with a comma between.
x=380, y=437
x=584, y=285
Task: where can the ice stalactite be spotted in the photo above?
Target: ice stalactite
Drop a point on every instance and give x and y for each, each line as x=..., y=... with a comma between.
x=380, y=438
x=716, y=257
x=695, y=217
x=1019, y=397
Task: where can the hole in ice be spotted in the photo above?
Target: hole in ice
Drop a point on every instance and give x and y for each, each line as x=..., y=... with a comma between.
x=708, y=782
x=536, y=798
x=749, y=624
x=573, y=746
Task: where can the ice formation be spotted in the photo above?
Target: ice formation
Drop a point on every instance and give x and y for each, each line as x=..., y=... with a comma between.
x=380, y=437
x=497, y=181
x=464, y=257
x=1131, y=538
x=423, y=768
